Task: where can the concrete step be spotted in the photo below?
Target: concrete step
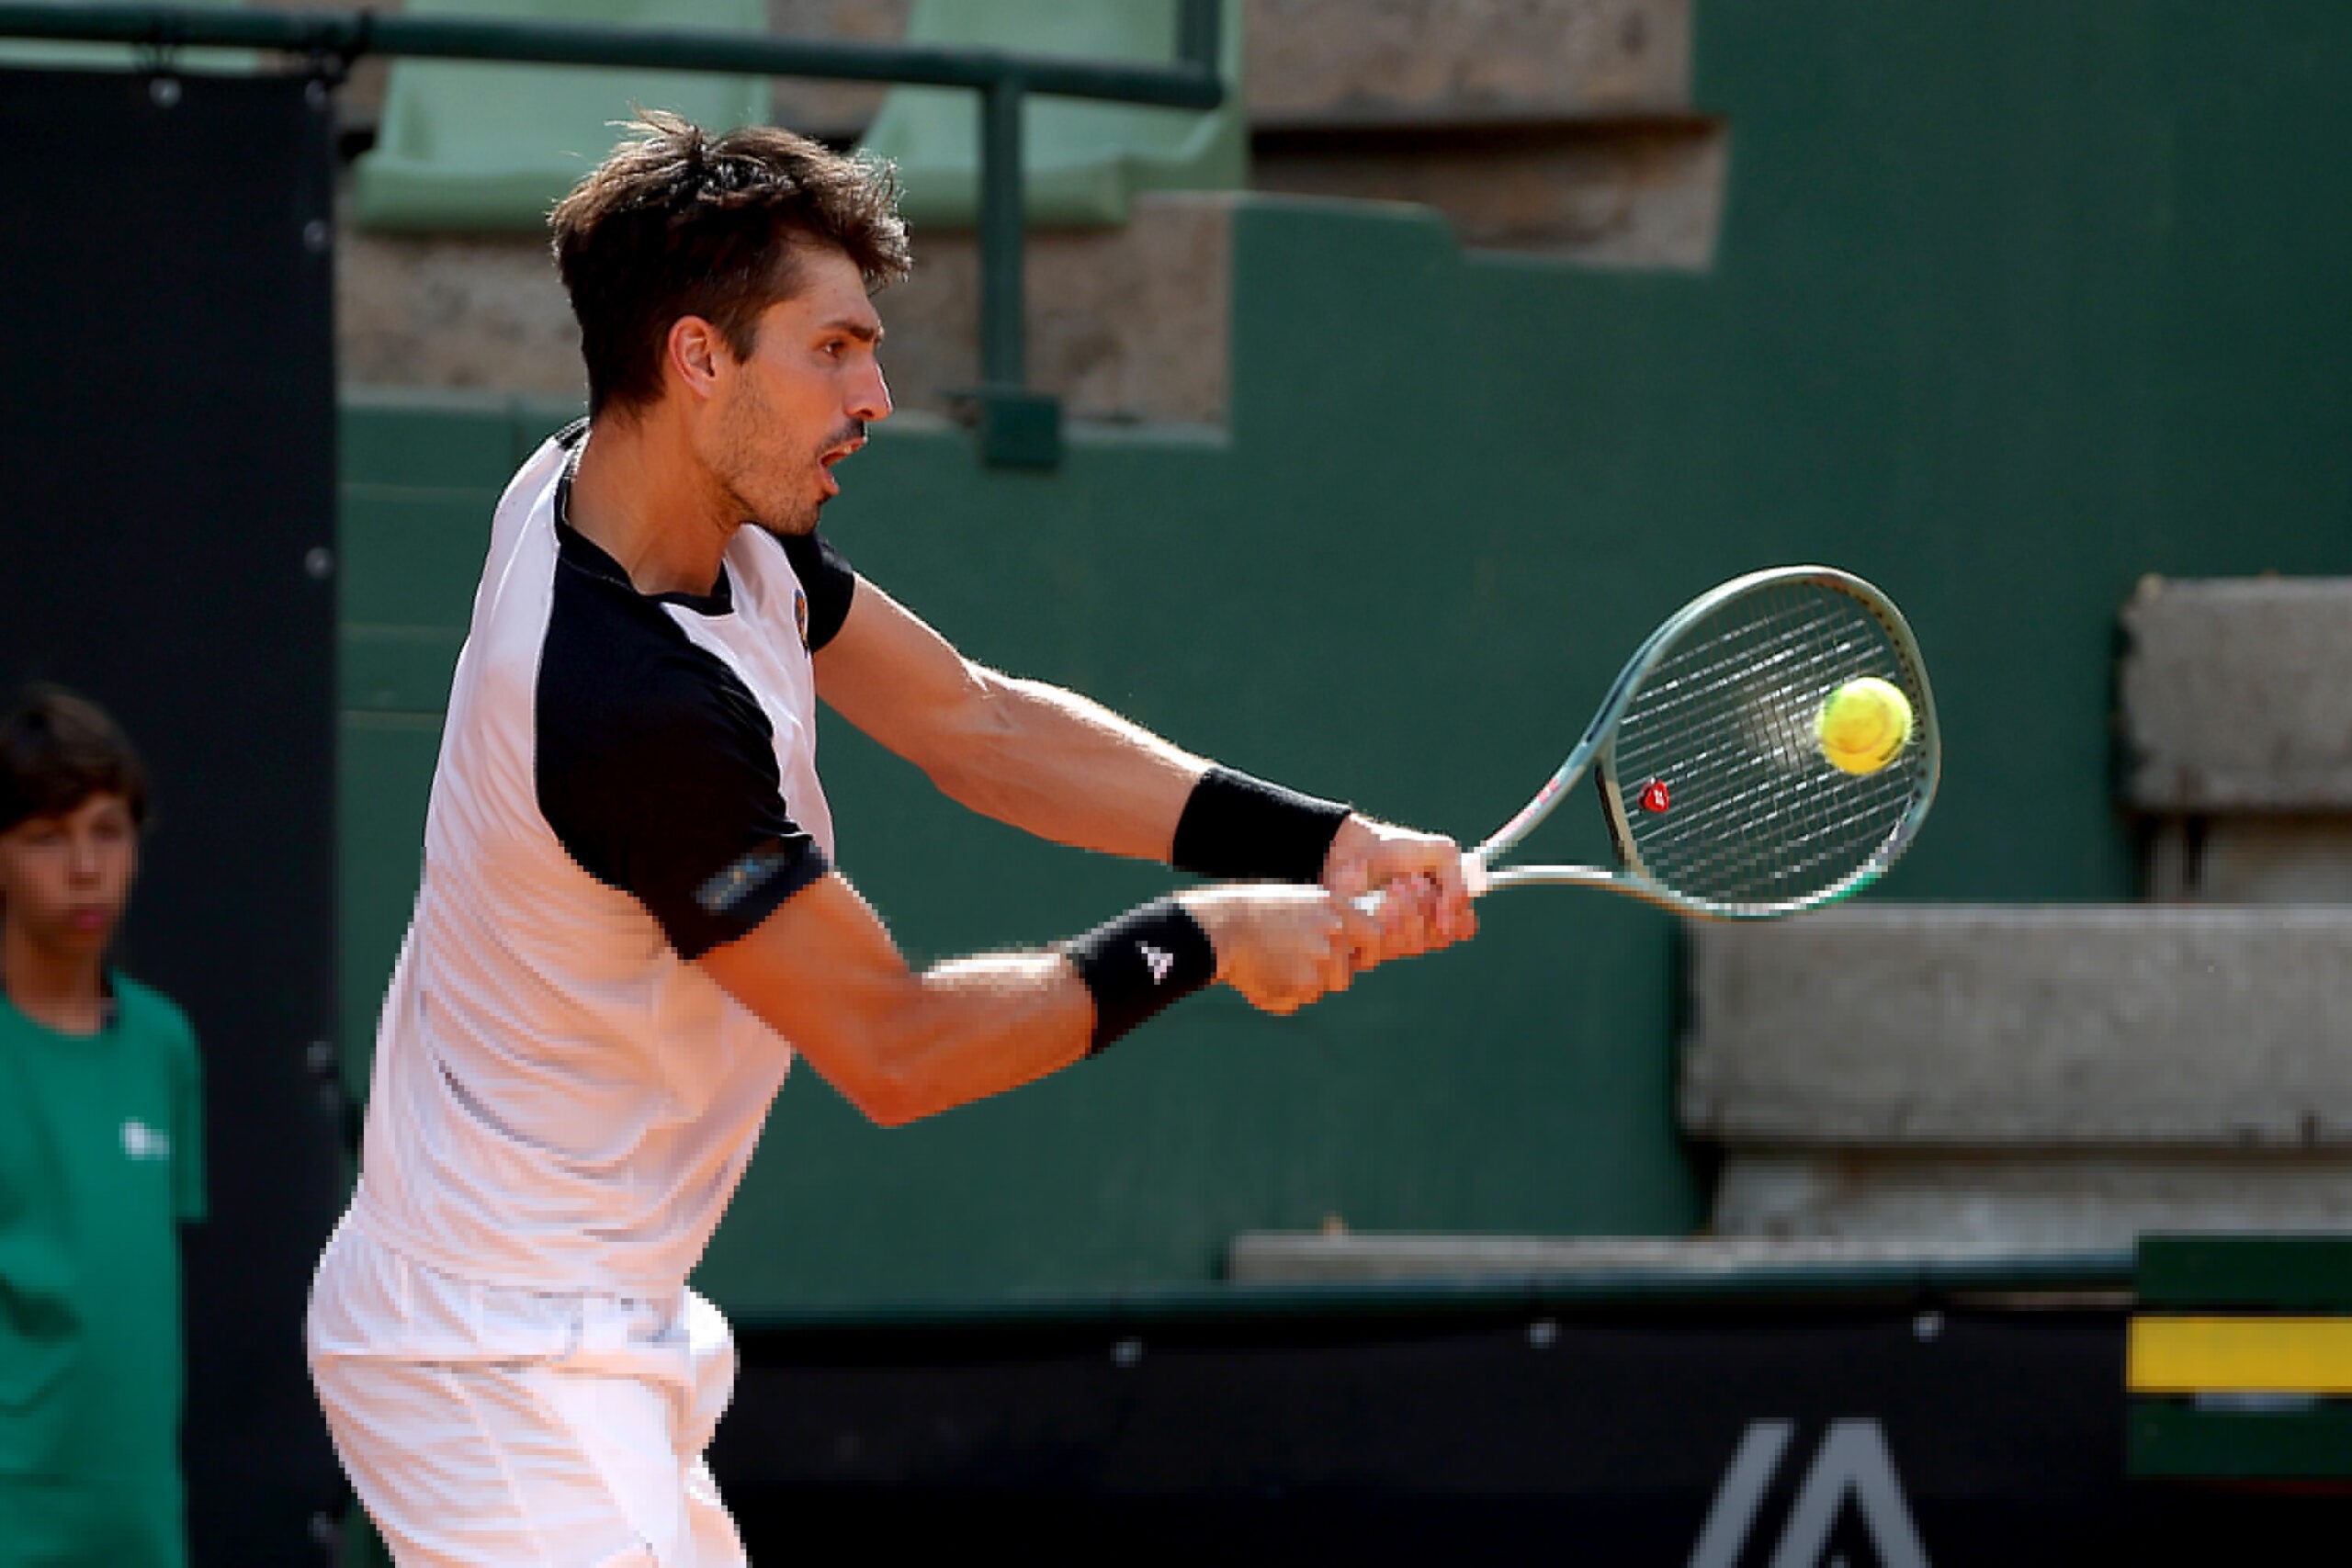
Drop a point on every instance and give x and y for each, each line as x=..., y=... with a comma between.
x=2024, y=1076
x=1559, y=127
x=2236, y=733
x=2249, y=860
x=2236, y=695
x=1955, y=1026
x=2025, y=1201
x=1442, y=62
x=1628, y=194
x=1294, y=1257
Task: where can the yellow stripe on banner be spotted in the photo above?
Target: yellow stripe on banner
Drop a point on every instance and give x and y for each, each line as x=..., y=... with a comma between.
x=2261, y=1355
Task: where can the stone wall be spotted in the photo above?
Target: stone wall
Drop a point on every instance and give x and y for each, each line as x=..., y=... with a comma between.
x=1554, y=127
x=1124, y=324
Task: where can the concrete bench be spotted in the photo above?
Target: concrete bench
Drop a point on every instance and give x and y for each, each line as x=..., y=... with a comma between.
x=2236, y=695
x=2236, y=731
x=2044, y=1026
x=1560, y=128
x=2040, y=1076
x=1297, y=1257
x=1421, y=62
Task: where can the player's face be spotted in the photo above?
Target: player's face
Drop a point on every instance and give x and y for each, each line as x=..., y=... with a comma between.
x=64, y=878
x=801, y=401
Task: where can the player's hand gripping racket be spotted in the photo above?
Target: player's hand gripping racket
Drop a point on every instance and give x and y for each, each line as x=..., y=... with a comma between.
x=1751, y=760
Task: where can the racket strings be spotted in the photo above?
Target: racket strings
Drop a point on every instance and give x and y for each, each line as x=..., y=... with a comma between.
x=1756, y=815
x=1758, y=822
x=1760, y=784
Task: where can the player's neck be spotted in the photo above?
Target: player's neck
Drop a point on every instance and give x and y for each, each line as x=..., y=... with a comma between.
x=65, y=992
x=636, y=496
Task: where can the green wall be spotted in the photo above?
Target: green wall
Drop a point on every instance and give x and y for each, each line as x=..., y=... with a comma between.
x=2012, y=305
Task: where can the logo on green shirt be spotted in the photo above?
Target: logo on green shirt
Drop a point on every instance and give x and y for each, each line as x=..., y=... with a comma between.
x=141, y=1142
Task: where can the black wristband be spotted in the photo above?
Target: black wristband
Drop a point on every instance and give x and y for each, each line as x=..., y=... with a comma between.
x=1138, y=964
x=1235, y=825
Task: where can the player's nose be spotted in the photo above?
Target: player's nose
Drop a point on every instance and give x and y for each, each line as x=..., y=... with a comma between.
x=870, y=399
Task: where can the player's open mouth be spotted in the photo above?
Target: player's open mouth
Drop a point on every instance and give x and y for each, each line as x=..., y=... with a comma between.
x=827, y=459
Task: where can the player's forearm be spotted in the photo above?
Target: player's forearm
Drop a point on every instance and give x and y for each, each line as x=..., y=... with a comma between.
x=899, y=1044
x=973, y=1027
x=1060, y=766
x=822, y=972
x=967, y=1029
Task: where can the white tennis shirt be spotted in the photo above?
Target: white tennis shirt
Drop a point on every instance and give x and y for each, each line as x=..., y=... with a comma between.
x=561, y=1100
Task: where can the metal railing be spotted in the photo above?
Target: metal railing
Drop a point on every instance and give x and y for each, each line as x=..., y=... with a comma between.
x=1017, y=426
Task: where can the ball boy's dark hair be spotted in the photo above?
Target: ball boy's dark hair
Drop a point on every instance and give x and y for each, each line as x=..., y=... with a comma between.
x=57, y=751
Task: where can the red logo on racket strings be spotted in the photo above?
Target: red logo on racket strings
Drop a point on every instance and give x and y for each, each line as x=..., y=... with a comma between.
x=1654, y=797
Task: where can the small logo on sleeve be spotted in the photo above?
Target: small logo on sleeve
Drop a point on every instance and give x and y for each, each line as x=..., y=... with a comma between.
x=800, y=617
x=140, y=1142
x=1160, y=960
x=740, y=878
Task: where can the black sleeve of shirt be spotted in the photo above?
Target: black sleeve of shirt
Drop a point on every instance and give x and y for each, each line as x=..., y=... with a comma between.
x=657, y=770
x=828, y=580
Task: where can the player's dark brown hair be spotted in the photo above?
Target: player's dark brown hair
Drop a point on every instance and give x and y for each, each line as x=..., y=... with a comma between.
x=680, y=222
x=57, y=751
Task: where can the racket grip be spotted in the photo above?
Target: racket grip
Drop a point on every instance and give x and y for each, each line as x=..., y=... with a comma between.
x=1474, y=877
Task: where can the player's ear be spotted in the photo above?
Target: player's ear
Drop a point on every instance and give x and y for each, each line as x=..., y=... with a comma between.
x=696, y=353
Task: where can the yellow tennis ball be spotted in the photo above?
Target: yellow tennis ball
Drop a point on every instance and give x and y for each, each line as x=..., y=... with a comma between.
x=1863, y=725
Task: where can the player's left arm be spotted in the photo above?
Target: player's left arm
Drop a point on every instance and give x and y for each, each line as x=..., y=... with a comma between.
x=1060, y=765
x=1034, y=755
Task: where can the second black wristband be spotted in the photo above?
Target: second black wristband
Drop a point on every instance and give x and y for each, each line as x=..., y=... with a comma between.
x=1143, y=961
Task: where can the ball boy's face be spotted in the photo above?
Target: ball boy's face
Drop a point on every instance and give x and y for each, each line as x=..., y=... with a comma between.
x=64, y=878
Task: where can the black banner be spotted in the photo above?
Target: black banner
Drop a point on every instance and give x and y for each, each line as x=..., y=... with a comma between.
x=1722, y=1438
x=167, y=435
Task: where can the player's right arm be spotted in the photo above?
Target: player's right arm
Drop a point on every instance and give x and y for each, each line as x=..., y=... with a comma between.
x=656, y=767
x=901, y=1043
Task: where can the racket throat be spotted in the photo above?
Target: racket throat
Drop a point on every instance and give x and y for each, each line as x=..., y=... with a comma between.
x=1474, y=874
x=1612, y=812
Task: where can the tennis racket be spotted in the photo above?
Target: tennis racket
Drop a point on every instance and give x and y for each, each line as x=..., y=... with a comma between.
x=1719, y=799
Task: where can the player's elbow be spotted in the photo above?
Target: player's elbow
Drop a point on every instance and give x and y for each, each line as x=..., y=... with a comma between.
x=968, y=762
x=887, y=1096
x=894, y=1108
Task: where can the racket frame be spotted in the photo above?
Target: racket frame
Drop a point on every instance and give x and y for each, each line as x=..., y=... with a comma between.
x=1595, y=751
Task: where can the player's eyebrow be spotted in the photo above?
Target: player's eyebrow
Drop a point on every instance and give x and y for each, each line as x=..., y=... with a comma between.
x=864, y=331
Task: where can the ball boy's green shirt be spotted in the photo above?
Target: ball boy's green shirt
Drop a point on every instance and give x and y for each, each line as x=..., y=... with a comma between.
x=101, y=1157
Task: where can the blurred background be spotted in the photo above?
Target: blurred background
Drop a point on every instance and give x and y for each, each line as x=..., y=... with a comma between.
x=1365, y=423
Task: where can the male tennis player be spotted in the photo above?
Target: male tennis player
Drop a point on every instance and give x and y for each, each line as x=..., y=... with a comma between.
x=630, y=921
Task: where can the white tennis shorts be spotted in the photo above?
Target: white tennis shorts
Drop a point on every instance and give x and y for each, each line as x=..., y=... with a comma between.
x=485, y=1426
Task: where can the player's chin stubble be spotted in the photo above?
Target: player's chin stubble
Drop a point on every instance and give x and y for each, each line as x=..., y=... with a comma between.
x=797, y=518
x=793, y=524
x=784, y=518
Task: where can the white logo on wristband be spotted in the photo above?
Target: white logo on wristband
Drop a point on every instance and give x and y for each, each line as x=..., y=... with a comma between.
x=1161, y=963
